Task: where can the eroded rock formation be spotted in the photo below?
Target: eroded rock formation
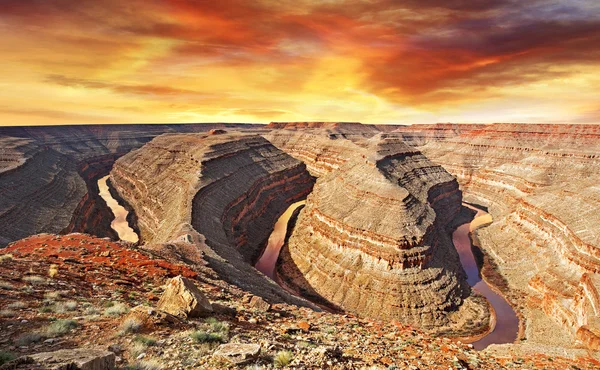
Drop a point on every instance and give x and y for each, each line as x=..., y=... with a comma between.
x=372, y=238
x=223, y=192
x=540, y=183
x=47, y=175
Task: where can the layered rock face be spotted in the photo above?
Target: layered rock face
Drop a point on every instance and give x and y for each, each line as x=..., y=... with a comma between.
x=47, y=175
x=540, y=183
x=372, y=238
x=221, y=190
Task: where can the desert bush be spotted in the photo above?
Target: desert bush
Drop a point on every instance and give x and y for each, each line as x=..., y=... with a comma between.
x=26, y=339
x=117, y=309
x=51, y=296
x=148, y=341
x=283, y=358
x=71, y=305
x=60, y=327
x=131, y=325
x=146, y=365
x=218, y=326
x=6, y=285
x=34, y=279
x=137, y=349
x=201, y=336
x=53, y=271
x=7, y=313
x=5, y=357
x=17, y=305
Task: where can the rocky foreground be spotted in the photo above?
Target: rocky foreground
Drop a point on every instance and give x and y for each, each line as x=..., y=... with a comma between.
x=114, y=303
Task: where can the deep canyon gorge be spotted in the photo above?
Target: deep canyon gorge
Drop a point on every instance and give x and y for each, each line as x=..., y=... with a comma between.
x=383, y=222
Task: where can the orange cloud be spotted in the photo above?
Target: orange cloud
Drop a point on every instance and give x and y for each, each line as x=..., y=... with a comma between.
x=379, y=61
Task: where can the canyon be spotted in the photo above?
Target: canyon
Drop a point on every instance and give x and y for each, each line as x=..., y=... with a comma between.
x=364, y=217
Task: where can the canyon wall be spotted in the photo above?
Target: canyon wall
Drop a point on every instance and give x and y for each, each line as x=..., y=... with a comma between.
x=373, y=236
x=220, y=191
x=541, y=184
x=44, y=186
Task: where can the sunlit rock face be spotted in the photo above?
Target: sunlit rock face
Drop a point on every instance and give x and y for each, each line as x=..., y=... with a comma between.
x=541, y=183
x=222, y=191
x=372, y=239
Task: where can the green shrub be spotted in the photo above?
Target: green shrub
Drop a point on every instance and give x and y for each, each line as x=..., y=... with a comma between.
x=116, y=309
x=60, y=327
x=5, y=357
x=148, y=341
x=201, y=336
x=131, y=325
x=283, y=358
x=26, y=339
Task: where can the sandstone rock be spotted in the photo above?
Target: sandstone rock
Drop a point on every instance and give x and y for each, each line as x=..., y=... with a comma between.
x=540, y=183
x=383, y=238
x=68, y=359
x=237, y=353
x=227, y=189
x=182, y=298
x=260, y=304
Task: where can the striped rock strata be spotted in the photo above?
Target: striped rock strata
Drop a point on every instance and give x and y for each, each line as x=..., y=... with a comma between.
x=220, y=191
x=47, y=175
x=372, y=238
x=540, y=183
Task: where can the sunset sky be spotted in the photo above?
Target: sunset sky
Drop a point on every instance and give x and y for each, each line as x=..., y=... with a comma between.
x=373, y=61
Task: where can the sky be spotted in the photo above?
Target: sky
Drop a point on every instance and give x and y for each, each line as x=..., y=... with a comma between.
x=373, y=61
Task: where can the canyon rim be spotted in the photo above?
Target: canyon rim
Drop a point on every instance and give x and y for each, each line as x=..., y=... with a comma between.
x=299, y=184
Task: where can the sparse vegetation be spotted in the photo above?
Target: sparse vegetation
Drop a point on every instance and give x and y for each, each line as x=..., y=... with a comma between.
x=201, y=336
x=17, y=305
x=218, y=326
x=131, y=325
x=6, y=285
x=34, y=279
x=51, y=296
x=60, y=327
x=6, y=257
x=148, y=341
x=283, y=358
x=26, y=339
x=71, y=305
x=5, y=357
x=116, y=309
x=7, y=313
x=53, y=271
x=137, y=349
x=146, y=365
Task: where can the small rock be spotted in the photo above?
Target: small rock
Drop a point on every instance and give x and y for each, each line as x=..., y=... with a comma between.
x=253, y=321
x=237, y=353
x=183, y=298
x=115, y=348
x=141, y=356
x=259, y=304
x=304, y=326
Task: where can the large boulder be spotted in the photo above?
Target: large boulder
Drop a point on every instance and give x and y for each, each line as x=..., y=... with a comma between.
x=66, y=359
x=182, y=298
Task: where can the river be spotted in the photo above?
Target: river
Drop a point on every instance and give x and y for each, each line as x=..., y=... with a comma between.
x=267, y=261
x=119, y=224
x=506, y=321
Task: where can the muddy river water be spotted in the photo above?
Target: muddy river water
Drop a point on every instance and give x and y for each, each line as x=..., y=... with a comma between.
x=119, y=224
x=507, y=322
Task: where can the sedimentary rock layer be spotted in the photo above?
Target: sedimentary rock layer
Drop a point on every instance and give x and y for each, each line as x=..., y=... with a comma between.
x=224, y=190
x=41, y=185
x=372, y=238
x=540, y=183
